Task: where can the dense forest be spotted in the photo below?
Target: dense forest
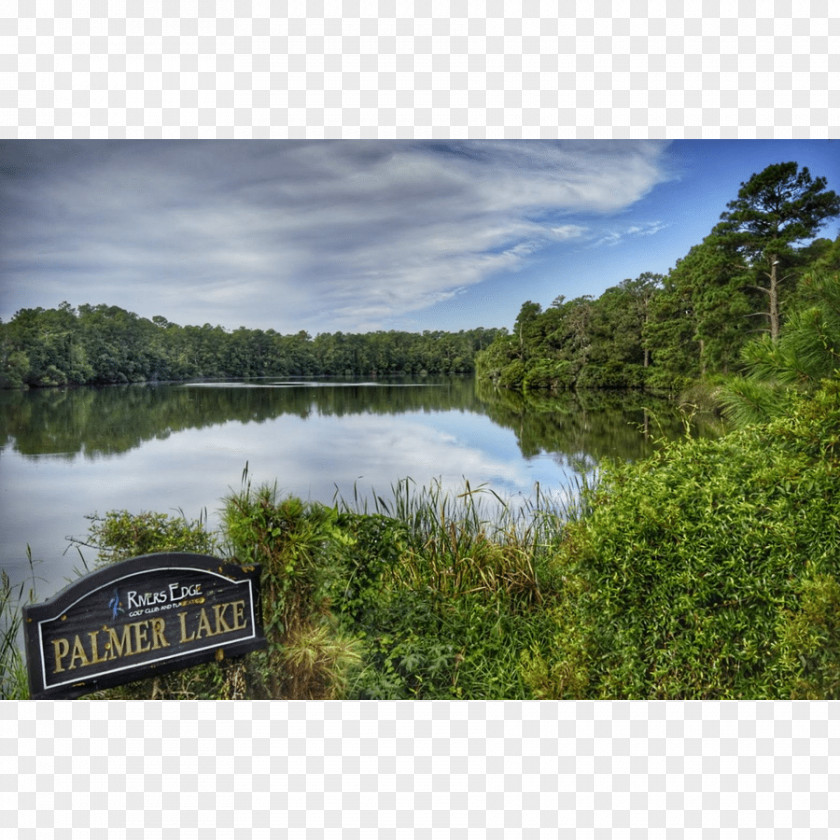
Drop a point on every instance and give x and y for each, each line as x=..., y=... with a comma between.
x=657, y=332
x=663, y=332
x=102, y=345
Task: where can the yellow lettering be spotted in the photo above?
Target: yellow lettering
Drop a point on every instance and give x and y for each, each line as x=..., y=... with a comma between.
x=94, y=649
x=141, y=641
x=203, y=625
x=239, y=622
x=221, y=625
x=182, y=617
x=119, y=646
x=61, y=647
x=78, y=653
x=158, y=639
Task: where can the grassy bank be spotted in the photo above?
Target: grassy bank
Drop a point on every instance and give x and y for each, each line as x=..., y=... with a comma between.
x=709, y=570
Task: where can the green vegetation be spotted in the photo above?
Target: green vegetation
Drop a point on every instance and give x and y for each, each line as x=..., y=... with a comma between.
x=12, y=670
x=426, y=597
x=13, y=678
x=709, y=569
x=103, y=345
x=806, y=354
x=664, y=333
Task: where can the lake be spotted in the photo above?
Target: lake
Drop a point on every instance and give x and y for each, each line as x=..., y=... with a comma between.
x=69, y=453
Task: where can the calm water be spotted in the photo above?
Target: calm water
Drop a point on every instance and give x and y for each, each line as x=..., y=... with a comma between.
x=65, y=454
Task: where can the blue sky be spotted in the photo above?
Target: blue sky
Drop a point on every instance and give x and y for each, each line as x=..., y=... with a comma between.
x=359, y=235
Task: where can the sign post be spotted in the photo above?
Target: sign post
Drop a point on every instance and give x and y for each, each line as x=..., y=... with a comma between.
x=139, y=618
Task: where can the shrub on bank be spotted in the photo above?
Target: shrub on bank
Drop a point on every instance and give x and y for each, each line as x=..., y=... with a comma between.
x=709, y=570
x=445, y=598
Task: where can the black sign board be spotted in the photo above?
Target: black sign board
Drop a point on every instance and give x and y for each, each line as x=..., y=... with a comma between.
x=138, y=618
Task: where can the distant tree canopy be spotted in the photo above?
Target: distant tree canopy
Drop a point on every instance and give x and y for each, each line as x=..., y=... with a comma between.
x=664, y=332
x=660, y=332
x=101, y=345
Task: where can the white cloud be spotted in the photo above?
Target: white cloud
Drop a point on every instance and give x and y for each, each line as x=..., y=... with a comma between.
x=568, y=231
x=290, y=234
x=613, y=237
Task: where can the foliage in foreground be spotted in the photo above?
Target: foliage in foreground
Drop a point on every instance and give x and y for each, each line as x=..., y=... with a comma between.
x=13, y=681
x=298, y=548
x=427, y=597
x=445, y=596
x=415, y=600
x=711, y=570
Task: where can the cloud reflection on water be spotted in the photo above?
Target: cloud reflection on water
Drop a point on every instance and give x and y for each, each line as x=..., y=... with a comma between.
x=317, y=458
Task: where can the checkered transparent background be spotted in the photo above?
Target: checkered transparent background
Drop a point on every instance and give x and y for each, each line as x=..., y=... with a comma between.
x=422, y=770
x=603, y=68
x=324, y=68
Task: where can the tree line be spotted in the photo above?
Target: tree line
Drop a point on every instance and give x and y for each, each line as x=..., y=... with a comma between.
x=659, y=332
x=664, y=332
x=102, y=345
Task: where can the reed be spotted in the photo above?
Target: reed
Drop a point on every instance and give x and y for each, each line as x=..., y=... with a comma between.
x=14, y=684
x=467, y=585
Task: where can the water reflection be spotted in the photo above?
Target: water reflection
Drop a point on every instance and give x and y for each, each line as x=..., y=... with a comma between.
x=66, y=454
x=107, y=421
x=582, y=429
x=91, y=422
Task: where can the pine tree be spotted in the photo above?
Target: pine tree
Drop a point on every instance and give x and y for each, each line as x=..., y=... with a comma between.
x=776, y=209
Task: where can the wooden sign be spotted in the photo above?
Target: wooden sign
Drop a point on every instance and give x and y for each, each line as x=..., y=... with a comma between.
x=139, y=618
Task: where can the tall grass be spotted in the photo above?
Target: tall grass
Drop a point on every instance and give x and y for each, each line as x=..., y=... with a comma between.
x=429, y=593
x=296, y=545
x=467, y=584
x=429, y=509
x=14, y=684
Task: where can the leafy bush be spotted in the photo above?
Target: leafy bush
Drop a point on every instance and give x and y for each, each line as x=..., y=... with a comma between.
x=296, y=545
x=120, y=534
x=709, y=570
x=446, y=594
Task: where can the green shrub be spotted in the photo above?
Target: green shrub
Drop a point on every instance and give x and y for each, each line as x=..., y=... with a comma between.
x=119, y=535
x=298, y=548
x=692, y=576
x=809, y=641
x=512, y=375
x=446, y=594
